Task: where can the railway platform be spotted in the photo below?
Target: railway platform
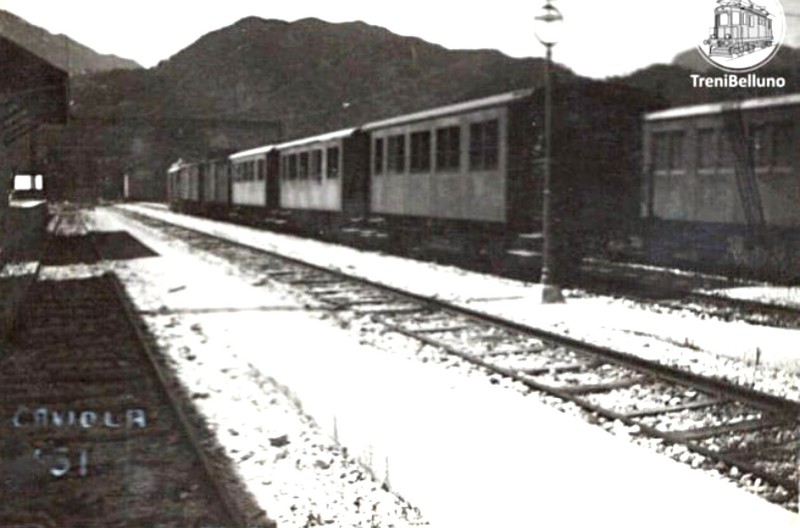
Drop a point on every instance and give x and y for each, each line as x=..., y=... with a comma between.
x=464, y=452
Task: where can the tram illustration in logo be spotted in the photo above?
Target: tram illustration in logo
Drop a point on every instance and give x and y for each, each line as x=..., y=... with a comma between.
x=745, y=35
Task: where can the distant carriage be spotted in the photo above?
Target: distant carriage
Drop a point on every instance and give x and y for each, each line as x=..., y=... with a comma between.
x=740, y=27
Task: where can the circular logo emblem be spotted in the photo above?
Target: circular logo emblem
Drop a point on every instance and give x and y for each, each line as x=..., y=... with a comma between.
x=742, y=35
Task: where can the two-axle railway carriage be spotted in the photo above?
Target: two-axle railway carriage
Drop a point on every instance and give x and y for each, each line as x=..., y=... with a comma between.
x=215, y=186
x=469, y=175
x=452, y=176
x=722, y=185
x=739, y=27
x=183, y=186
x=250, y=185
x=323, y=180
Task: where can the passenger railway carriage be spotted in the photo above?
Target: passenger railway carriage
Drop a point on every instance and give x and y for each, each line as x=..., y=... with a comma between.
x=215, y=186
x=249, y=182
x=470, y=175
x=722, y=185
x=183, y=186
x=323, y=180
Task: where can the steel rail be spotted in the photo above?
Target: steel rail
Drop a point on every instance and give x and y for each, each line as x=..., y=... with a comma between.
x=229, y=504
x=780, y=411
x=674, y=437
x=233, y=512
x=717, y=386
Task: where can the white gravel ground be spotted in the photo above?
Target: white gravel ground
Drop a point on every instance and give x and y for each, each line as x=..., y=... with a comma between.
x=199, y=308
x=654, y=346
x=759, y=356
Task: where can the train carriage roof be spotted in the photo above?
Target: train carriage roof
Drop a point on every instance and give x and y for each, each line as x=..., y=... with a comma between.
x=251, y=152
x=495, y=100
x=725, y=106
x=266, y=149
x=338, y=134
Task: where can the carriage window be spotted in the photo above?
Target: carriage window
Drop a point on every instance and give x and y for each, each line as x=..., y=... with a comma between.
x=676, y=151
x=782, y=140
x=668, y=151
x=661, y=151
x=725, y=158
x=333, y=163
x=303, y=166
x=397, y=154
x=262, y=170
x=772, y=145
x=421, y=151
x=736, y=18
x=448, y=148
x=759, y=142
x=293, y=166
x=723, y=19
x=316, y=164
x=378, y=156
x=483, y=145
x=706, y=148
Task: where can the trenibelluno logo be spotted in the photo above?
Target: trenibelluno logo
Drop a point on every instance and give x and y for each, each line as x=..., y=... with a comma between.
x=742, y=35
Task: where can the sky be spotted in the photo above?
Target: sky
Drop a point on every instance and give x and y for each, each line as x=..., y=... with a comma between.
x=601, y=38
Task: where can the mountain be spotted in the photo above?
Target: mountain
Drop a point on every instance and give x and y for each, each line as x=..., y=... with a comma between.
x=691, y=60
x=59, y=50
x=259, y=81
x=310, y=75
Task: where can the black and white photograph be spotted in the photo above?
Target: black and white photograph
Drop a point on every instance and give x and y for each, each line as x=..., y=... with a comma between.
x=393, y=265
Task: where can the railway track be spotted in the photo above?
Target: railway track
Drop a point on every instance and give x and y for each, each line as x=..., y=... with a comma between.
x=659, y=289
x=749, y=436
x=668, y=291
x=94, y=432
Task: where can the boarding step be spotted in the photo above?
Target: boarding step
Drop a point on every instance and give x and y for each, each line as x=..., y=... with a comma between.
x=524, y=253
x=275, y=221
x=526, y=246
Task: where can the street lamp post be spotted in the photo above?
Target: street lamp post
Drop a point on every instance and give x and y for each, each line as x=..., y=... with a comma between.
x=548, y=27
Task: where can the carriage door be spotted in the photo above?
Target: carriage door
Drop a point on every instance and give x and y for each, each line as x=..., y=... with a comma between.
x=273, y=181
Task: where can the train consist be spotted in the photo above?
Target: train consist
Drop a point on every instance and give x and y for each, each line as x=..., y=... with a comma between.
x=464, y=178
x=713, y=186
x=722, y=186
